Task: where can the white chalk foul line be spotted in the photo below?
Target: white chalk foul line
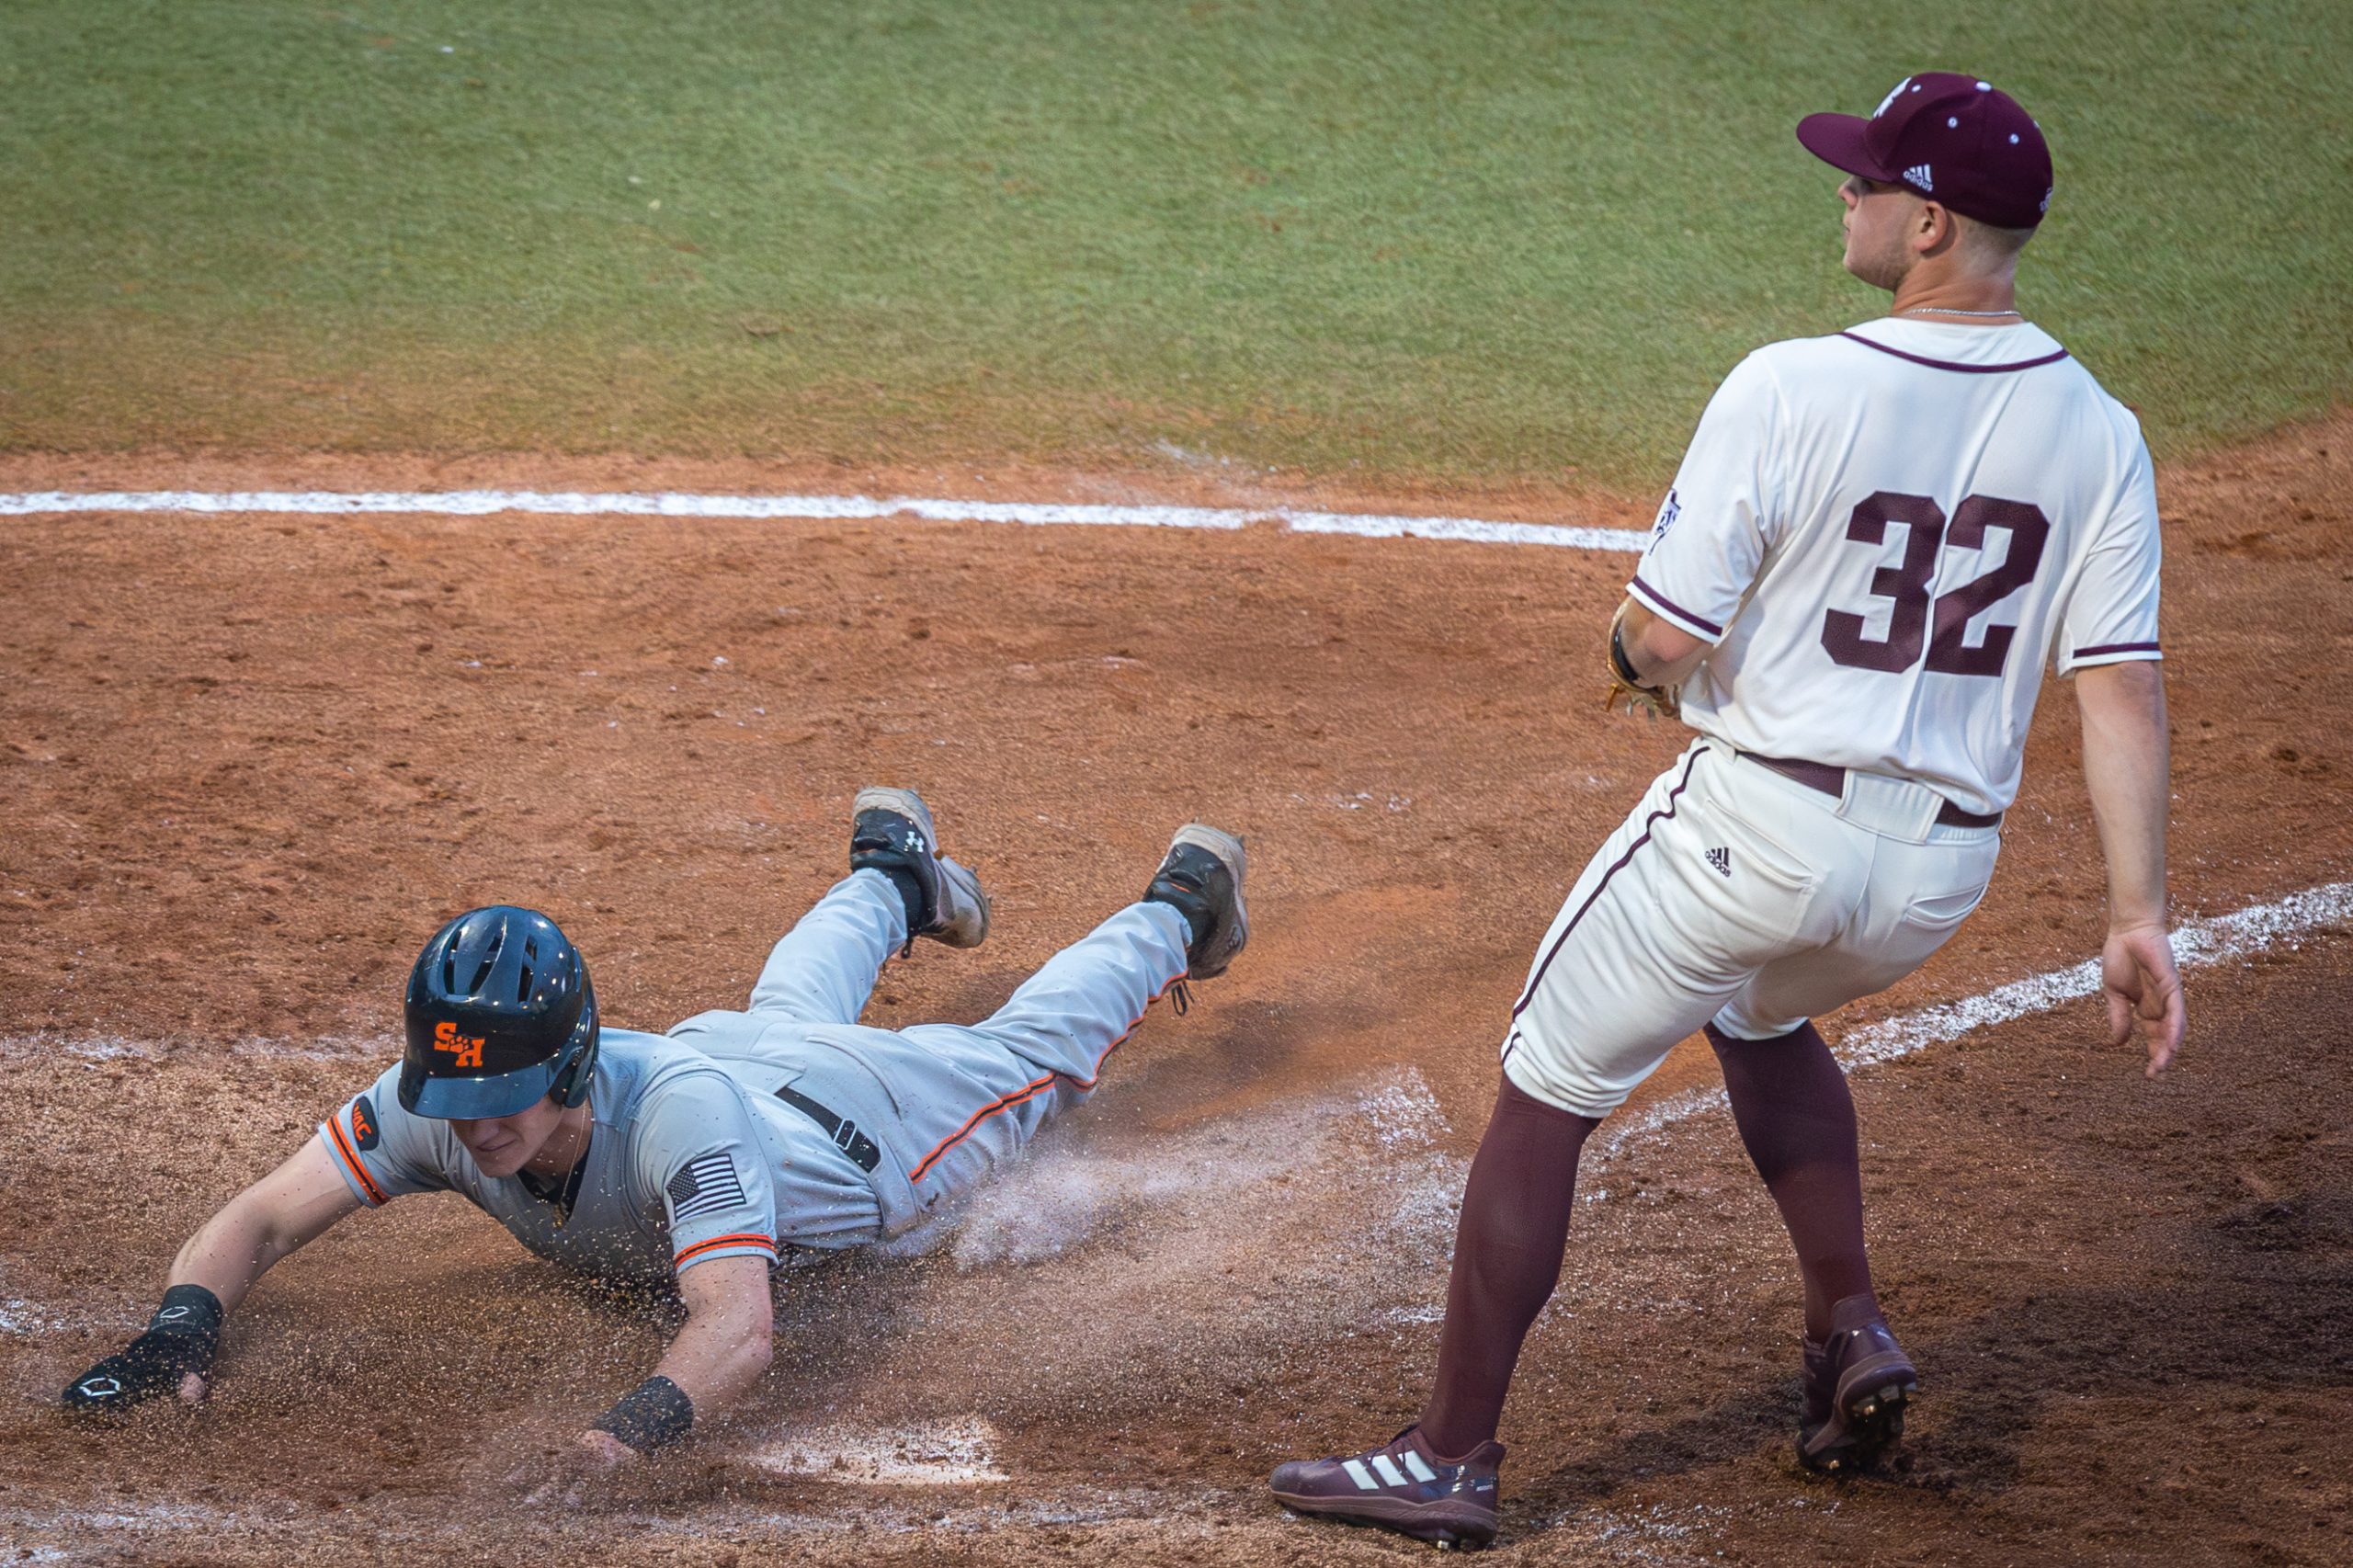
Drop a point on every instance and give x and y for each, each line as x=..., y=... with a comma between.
x=2198, y=945
x=808, y=508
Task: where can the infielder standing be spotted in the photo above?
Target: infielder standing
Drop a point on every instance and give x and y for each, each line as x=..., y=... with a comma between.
x=700, y=1154
x=1874, y=544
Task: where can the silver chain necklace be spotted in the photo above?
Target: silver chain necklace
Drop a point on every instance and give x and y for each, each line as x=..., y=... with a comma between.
x=1949, y=311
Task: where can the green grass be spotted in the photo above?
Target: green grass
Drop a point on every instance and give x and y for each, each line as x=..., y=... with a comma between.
x=1466, y=241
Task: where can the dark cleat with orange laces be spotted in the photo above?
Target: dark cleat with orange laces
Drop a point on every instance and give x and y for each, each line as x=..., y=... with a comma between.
x=1200, y=877
x=891, y=832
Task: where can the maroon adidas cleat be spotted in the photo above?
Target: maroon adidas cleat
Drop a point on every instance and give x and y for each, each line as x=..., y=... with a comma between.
x=1403, y=1487
x=1857, y=1383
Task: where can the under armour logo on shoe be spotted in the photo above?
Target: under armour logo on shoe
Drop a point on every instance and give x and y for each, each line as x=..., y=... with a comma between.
x=1721, y=860
x=1919, y=174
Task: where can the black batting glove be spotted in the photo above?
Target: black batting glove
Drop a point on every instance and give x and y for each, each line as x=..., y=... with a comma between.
x=181, y=1339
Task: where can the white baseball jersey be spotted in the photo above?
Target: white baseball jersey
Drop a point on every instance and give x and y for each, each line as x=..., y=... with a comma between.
x=1887, y=532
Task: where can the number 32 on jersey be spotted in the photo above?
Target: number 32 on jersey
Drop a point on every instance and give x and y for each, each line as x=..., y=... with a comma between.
x=1940, y=623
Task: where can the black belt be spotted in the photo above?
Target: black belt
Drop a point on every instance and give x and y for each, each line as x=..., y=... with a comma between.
x=863, y=1151
x=1832, y=780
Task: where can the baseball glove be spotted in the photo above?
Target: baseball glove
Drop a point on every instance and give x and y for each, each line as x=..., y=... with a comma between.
x=1626, y=688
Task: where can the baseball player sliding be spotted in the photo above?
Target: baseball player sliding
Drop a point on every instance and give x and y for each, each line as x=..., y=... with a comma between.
x=1874, y=544
x=699, y=1153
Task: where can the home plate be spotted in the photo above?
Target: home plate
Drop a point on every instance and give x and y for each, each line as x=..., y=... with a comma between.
x=946, y=1453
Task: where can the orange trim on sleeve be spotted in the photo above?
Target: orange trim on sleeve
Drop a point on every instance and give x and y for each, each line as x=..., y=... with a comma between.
x=367, y=1188
x=741, y=1239
x=1030, y=1090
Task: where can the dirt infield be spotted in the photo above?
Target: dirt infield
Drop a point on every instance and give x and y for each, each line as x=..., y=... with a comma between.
x=248, y=763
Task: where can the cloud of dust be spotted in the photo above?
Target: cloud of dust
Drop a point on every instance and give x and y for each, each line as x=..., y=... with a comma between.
x=1070, y=1192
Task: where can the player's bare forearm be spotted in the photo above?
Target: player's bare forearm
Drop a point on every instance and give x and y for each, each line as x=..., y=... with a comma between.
x=2127, y=770
x=728, y=1335
x=724, y=1347
x=286, y=1209
x=210, y=1277
x=1661, y=654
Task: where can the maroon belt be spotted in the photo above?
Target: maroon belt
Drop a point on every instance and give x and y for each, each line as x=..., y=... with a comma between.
x=1833, y=782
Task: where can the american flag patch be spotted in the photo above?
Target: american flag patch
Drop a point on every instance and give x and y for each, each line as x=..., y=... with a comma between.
x=703, y=1185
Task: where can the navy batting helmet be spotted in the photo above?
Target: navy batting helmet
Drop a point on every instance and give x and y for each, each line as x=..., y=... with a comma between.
x=500, y=1012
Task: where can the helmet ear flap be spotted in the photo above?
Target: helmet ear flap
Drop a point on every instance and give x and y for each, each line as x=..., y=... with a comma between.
x=570, y=1086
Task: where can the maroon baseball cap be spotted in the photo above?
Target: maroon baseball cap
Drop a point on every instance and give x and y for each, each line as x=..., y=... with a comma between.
x=1952, y=138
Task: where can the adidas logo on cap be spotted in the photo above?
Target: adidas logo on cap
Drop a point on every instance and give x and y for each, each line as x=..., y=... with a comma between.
x=1919, y=174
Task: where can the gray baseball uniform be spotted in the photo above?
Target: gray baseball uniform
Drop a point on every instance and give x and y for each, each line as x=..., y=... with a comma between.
x=789, y=1123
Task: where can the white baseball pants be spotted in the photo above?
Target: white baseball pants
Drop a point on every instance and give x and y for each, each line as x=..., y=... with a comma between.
x=1736, y=896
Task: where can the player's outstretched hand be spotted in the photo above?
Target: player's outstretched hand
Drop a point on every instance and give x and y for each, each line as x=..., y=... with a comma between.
x=172, y=1356
x=2138, y=975
x=563, y=1476
x=152, y=1364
